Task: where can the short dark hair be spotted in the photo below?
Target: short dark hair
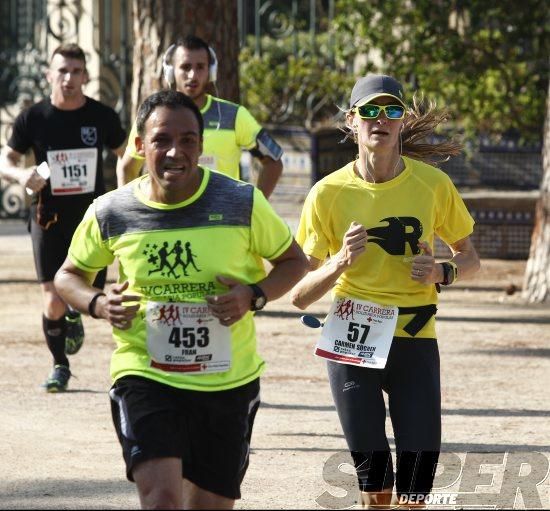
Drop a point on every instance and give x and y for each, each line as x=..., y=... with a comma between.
x=70, y=51
x=170, y=99
x=192, y=42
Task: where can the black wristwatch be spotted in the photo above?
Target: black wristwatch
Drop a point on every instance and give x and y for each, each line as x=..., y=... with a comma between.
x=450, y=273
x=258, y=298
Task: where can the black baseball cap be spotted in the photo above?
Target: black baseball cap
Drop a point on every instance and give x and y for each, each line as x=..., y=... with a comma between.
x=373, y=86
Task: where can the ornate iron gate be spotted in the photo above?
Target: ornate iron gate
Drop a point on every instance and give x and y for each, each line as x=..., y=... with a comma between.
x=302, y=29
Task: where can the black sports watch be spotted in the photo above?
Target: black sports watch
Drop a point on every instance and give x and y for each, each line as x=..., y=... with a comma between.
x=450, y=273
x=258, y=298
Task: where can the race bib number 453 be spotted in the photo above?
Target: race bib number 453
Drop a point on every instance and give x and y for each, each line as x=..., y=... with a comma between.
x=358, y=332
x=185, y=337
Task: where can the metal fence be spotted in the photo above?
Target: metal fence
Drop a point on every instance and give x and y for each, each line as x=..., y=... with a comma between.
x=284, y=19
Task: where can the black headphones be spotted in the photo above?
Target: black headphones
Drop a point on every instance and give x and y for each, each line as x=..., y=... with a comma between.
x=168, y=68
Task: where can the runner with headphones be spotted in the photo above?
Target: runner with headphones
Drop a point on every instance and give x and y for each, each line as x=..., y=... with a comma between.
x=188, y=67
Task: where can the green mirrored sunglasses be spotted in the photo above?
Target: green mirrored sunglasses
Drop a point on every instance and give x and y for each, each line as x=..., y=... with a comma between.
x=369, y=111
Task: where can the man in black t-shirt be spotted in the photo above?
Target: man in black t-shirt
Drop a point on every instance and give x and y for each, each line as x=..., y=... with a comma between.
x=67, y=133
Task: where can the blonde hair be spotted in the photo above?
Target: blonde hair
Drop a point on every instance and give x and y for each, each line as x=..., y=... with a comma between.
x=421, y=120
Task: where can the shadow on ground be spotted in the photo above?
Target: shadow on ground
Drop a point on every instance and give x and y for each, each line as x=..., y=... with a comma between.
x=52, y=493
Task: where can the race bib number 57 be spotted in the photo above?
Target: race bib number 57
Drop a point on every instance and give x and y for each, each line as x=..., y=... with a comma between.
x=185, y=337
x=358, y=332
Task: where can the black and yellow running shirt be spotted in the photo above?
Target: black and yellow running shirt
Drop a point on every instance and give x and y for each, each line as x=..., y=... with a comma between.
x=173, y=253
x=229, y=129
x=418, y=204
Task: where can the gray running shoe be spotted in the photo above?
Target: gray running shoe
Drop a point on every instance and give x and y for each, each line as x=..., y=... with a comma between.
x=75, y=332
x=58, y=379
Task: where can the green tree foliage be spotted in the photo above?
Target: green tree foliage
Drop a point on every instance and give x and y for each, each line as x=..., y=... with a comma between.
x=486, y=60
x=301, y=89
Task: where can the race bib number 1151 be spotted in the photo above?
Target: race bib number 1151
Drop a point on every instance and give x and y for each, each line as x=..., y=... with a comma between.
x=73, y=171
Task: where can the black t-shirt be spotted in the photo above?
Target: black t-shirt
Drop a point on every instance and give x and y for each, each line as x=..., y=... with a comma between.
x=43, y=127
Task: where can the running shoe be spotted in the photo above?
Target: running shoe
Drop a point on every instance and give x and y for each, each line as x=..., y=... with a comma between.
x=58, y=379
x=75, y=332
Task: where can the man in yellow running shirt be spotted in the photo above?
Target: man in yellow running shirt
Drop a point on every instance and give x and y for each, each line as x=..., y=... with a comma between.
x=188, y=67
x=190, y=244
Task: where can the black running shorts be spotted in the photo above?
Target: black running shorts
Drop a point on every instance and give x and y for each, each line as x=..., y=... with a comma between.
x=50, y=247
x=209, y=431
x=411, y=381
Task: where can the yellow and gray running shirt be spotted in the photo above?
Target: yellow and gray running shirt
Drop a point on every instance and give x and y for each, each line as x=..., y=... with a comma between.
x=225, y=228
x=228, y=129
x=416, y=205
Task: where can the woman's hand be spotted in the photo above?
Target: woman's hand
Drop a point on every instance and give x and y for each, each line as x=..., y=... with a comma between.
x=353, y=245
x=424, y=268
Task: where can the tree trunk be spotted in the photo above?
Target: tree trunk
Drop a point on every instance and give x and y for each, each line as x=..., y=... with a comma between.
x=536, y=287
x=158, y=24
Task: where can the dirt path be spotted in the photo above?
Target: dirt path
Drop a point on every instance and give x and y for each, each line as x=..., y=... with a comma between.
x=60, y=451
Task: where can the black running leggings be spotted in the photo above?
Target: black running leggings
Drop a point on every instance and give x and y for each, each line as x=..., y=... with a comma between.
x=411, y=381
